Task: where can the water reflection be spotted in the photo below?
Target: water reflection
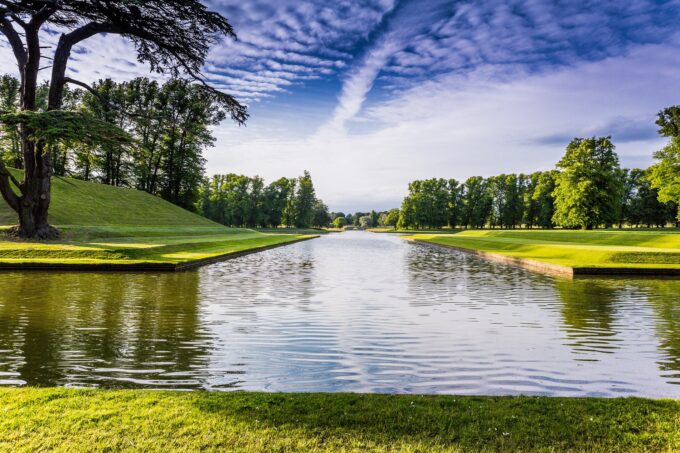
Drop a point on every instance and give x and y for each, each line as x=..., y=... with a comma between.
x=84, y=329
x=588, y=308
x=351, y=312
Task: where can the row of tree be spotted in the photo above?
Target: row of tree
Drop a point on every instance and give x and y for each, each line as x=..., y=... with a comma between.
x=243, y=201
x=588, y=189
x=169, y=126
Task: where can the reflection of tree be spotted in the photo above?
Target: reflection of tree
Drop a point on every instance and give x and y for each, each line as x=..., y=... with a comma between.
x=664, y=297
x=65, y=326
x=588, y=312
x=433, y=271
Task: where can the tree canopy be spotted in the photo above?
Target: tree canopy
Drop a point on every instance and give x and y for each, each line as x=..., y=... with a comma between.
x=172, y=36
x=587, y=189
x=665, y=174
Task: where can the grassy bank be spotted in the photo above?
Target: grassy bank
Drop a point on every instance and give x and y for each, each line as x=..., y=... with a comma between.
x=95, y=420
x=394, y=230
x=104, y=226
x=624, y=249
x=298, y=230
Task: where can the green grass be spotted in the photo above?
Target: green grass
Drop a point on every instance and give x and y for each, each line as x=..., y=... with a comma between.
x=627, y=249
x=109, y=226
x=98, y=420
x=408, y=231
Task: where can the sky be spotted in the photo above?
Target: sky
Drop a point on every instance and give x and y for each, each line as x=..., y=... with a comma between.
x=369, y=95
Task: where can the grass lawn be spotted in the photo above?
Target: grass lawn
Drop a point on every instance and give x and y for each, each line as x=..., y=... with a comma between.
x=394, y=230
x=104, y=226
x=104, y=420
x=624, y=249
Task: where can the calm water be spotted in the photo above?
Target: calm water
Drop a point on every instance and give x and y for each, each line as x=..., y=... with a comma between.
x=348, y=312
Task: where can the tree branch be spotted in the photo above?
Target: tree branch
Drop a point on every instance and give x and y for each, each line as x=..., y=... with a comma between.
x=15, y=41
x=103, y=101
x=6, y=187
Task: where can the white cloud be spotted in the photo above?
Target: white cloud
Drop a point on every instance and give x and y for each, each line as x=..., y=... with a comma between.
x=459, y=126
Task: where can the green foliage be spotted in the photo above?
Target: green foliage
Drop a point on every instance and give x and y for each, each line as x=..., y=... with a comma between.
x=322, y=218
x=543, y=198
x=305, y=197
x=339, y=222
x=10, y=140
x=166, y=127
x=237, y=200
x=392, y=218
x=366, y=221
x=68, y=127
x=477, y=202
x=588, y=189
x=664, y=175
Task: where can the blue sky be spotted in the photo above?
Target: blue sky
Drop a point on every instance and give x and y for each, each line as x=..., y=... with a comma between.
x=371, y=94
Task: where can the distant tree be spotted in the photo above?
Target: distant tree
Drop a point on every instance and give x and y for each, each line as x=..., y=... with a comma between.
x=392, y=218
x=531, y=206
x=322, y=217
x=644, y=207
x=407, y=218
x=304, y=201
x=366, y=221
x=171, y=35
x=664, y=175
x=477, y=203
x=543, y=198
x=629, y=180
x=588, y=188
x=498, y=193
x=455, y=203
x=277, y=196
x=356, y=218
x=374, y=217
x=339, y=222
x=10, y=137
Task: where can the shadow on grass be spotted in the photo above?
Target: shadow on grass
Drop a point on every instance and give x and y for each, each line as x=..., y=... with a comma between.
x=468, y=423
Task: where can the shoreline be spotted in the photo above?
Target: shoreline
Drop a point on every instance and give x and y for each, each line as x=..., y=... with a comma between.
x=141, y=266
x=556, y=269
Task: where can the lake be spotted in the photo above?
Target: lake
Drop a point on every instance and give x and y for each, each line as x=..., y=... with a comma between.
x=350, y=312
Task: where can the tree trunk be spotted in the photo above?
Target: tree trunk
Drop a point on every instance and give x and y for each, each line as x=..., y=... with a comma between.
x=34, y=203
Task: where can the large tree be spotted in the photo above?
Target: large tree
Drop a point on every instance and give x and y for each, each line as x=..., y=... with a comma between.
x=665, y=174
x=172, y=36
x=588, y=187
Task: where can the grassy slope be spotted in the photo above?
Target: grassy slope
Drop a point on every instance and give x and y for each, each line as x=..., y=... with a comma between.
x=109, y=225
x=613, y=249
x=95, y=420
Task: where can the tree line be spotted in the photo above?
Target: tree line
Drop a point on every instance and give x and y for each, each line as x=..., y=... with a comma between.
x=587, y=189
x=172, y=36
x=168, y=125
x=243, y=201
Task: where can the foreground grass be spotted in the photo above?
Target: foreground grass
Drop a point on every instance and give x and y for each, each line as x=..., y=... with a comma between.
x=98, y=420
x=576, y=249
x=111, y=226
